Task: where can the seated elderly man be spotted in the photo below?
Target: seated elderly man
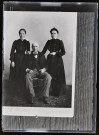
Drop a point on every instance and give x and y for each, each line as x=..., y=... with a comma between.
x=36, y=68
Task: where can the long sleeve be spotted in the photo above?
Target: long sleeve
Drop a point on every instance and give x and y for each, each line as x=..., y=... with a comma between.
x=12, y=53
x=45, y=47
x=28, y=46
x=61, y=52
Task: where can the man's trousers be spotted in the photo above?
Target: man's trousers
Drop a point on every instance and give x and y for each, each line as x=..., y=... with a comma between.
x=44, y=90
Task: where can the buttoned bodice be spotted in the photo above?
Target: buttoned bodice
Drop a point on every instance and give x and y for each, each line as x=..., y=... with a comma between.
x=54, y=45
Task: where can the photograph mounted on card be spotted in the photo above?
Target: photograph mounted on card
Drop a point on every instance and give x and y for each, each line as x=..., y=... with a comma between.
x=39, y=63
x=49, y=71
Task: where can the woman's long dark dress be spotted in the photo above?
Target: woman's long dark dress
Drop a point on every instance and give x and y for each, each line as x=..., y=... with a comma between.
x=17, y=55
x=55, y=64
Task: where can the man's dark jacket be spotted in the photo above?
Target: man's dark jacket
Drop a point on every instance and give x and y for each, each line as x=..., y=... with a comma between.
x=35, y=63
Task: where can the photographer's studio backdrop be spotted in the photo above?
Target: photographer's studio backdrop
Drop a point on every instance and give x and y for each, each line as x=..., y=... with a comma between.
x=38, y=25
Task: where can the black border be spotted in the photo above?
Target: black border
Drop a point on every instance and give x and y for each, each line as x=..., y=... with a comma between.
x=49, y=6
x=71, y=7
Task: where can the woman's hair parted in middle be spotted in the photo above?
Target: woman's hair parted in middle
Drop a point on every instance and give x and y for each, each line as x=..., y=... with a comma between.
x=54, y=29
x=21, y=30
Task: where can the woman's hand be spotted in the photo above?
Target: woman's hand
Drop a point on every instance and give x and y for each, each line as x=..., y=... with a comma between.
x=13, y=64
x=27, y=70
x=53, y=53
x=42, y=70
x=31, y=71
x=27, y=52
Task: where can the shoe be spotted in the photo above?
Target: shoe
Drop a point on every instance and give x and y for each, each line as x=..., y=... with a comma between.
x=31, y=99
x=45, y=100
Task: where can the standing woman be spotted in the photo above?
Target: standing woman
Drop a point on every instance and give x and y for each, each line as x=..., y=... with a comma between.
x=19, y=49
x=55, y=61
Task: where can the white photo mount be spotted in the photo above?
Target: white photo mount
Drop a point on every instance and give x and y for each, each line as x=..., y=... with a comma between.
x=44, y=111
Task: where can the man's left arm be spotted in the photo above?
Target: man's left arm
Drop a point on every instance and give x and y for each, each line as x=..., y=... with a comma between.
x=43, y=64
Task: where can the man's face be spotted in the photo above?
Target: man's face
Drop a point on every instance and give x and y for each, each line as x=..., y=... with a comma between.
x=22, y=34
x=35, y=47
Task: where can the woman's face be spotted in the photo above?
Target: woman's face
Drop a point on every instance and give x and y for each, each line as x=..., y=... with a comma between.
x=54, y=34
x=22, y=34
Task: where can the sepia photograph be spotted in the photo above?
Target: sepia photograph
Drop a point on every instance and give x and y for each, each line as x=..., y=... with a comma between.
x=39, y=51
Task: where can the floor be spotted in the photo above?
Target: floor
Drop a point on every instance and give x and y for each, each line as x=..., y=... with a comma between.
x=12, y=96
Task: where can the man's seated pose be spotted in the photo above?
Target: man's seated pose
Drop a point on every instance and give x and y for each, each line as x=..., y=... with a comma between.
x=36, y=68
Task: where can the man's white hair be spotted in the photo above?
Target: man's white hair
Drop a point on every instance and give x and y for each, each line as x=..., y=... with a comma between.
x=35, y=43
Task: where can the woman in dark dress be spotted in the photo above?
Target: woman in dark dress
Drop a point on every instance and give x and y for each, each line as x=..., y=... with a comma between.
x=19, y=49
x=55, y=62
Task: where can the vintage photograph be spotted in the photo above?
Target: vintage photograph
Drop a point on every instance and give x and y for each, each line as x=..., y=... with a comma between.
x=39, y=62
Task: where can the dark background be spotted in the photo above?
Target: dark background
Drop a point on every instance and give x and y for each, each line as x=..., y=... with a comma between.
x=66, y=9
